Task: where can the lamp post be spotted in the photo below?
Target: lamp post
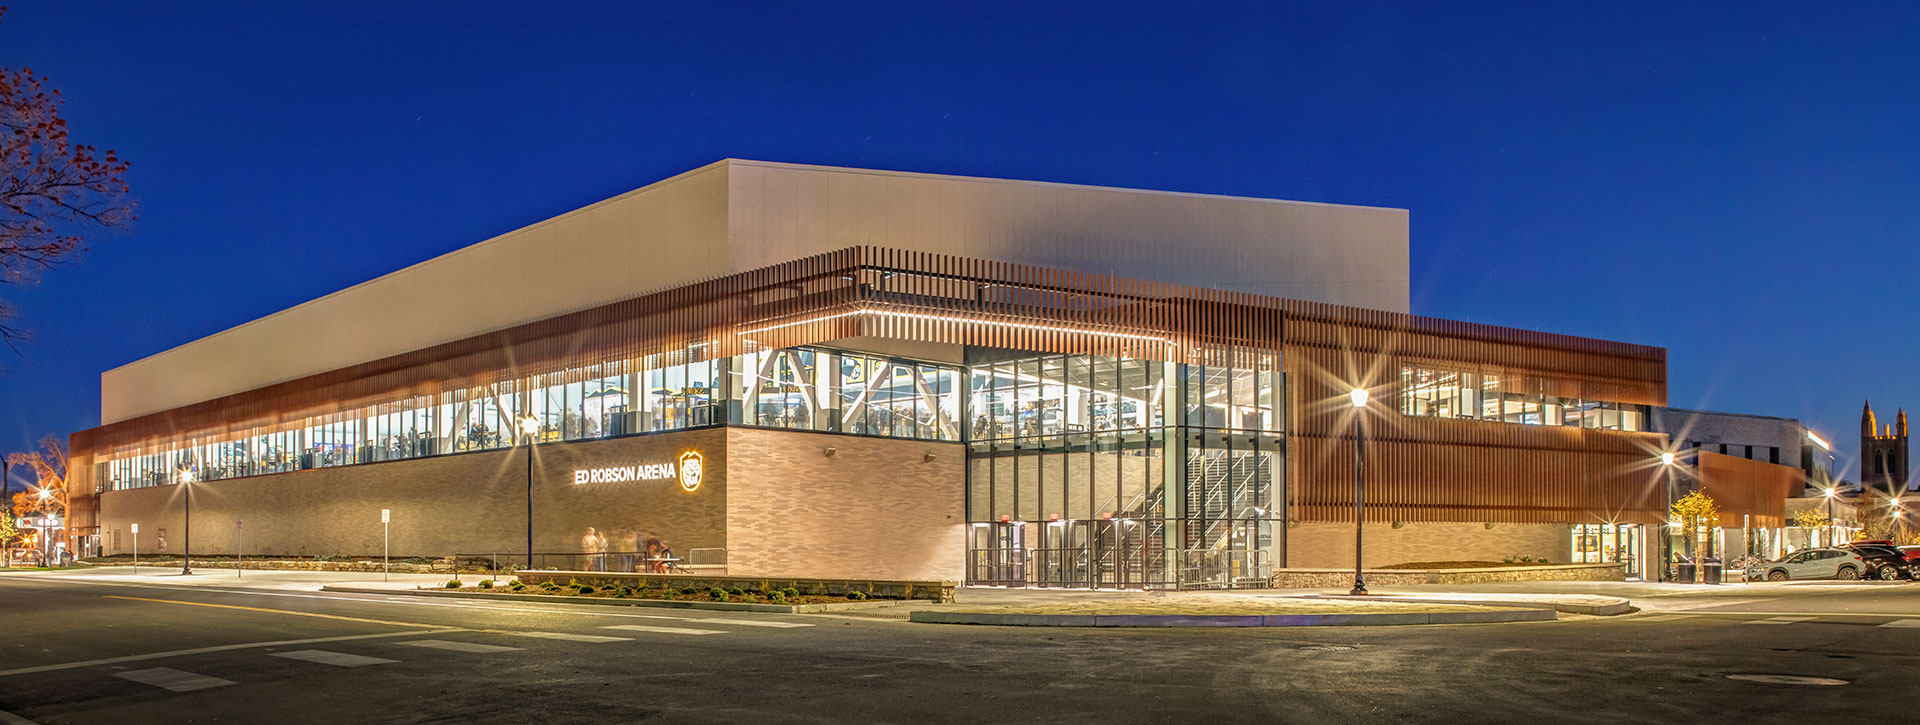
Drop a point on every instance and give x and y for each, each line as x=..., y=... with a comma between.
x=1830, y=535
x=1359, y=399
x=1666, y=537
x=531, y=427
x=46, y=530
x=186, y=547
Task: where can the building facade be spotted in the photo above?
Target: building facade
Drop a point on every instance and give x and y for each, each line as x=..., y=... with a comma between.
x=983, y=397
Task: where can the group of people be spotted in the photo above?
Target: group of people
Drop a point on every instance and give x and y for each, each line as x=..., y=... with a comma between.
x=626, y=550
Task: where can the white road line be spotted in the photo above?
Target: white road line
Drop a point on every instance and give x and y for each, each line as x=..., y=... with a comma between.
x=1778, y=620
x=1661, y=617
x=573, y=637
x=751, y=623
x=337, y=659
x=662, y=630
x=169, y=678
x=1903, y=624
x=221, y=648
x=458, y=646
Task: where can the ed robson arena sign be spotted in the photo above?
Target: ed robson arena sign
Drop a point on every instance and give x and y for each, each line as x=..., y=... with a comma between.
x=688, y=469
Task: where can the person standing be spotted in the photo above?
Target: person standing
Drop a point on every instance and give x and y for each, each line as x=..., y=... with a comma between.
x=599, y=551
x=589, y=545
x=626, y=541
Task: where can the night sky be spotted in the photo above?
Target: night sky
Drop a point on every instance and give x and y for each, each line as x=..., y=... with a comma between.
x=1739, y=185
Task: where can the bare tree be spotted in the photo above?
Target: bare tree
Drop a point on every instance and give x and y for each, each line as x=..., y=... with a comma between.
x=54, y=193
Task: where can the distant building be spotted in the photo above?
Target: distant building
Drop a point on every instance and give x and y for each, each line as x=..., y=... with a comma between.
x=1883, y=453
x=1767, y=439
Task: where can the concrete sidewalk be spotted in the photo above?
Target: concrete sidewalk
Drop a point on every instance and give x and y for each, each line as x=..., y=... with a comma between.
x=1211, y=609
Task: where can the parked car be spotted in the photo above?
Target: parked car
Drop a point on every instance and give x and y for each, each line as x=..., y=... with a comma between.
x=1821, y=563
x=1883, y=561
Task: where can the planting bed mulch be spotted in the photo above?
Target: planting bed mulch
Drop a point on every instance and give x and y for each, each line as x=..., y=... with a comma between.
x=1463, y=565
x=655, y=593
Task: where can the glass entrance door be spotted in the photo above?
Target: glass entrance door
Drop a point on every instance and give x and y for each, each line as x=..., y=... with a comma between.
x=998, y=554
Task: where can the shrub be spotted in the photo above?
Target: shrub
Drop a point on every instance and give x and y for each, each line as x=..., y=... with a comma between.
x=548, y=585
x=623, y=592
x=416, y=560
x=856, y=595
x=688, y=590
x=584, y=589
x=736, y=591
x=719, y=595
x=453, y=583
x=516, y=586
x=776, y=598
x=573, y=582
x=790, y=592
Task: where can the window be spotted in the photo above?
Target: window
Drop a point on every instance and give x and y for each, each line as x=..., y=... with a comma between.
x=1477, y=394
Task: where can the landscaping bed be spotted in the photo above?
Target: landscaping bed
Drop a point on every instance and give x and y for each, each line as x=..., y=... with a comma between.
x=643, y=590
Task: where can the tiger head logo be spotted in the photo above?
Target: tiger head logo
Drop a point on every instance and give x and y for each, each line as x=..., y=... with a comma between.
x=692, y=467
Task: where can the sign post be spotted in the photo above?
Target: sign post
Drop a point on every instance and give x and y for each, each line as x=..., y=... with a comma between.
x=386, y=515
x=136, y=548
x=239, y=548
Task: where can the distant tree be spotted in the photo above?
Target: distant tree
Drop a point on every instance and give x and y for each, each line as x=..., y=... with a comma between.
x=54, y=193
x=1810, y=519
x=1696, y=515
x=48, y=495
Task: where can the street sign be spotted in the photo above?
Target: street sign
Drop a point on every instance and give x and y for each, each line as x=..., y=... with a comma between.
x=136, y=528
x=386, y=515
x=237, y=523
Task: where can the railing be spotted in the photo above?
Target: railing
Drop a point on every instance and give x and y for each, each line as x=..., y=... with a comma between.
x=697, y=561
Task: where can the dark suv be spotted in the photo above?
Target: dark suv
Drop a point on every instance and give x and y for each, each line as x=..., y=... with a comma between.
x=1883, y=561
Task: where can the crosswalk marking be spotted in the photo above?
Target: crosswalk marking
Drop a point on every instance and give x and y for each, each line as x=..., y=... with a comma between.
x=1778, y=620
x=574, y=637
x=1903, y=624
x=1661, y=617
x=169, y=678
x=337, y=659
x=458, y=646
x=662, y=630
x=751, y=623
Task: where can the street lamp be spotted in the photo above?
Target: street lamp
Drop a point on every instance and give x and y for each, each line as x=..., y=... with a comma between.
x=1830, y=535
x=1666, y=536
x=46, y=532
x=1359, y=399
x=530, y=426
x=186, y=548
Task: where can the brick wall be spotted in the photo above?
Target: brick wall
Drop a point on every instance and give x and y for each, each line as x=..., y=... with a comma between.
x=467, y=503
x=877, y=508
x=1331, y=545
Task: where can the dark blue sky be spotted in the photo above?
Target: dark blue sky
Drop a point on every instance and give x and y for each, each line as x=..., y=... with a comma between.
x=1739, y=186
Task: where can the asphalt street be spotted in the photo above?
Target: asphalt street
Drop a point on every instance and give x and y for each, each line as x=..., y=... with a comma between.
x=82, y=650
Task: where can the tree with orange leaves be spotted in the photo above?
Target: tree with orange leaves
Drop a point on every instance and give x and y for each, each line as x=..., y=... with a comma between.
x=48, y=495
x=54, y=193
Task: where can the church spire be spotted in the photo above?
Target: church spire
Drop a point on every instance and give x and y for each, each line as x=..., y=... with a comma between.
x=1869, y=428
x=1900, y=426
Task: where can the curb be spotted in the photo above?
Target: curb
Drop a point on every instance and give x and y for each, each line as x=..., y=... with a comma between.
x=1622, y=606
x=659, y=603
x=1233, y=620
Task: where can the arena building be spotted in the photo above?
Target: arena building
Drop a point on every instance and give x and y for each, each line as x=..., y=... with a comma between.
x=774, y=369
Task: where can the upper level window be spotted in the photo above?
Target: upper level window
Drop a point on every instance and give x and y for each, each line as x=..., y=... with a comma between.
x=1475, y=394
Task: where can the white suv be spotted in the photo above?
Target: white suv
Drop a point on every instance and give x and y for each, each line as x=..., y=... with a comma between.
x=1823, y=563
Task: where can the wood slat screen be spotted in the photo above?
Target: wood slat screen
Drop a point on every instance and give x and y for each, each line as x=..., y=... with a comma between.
x=1421, y=470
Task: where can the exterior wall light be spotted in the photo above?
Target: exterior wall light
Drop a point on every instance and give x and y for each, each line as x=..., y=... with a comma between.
x=831, y=450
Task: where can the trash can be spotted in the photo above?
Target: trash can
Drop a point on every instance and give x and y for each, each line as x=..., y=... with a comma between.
x=1710, y=570
x=1684, y=572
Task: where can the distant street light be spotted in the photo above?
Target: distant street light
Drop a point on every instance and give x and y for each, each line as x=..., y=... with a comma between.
x=1359, y=399
x=1831, y=536
x=186, y=551
x=531, y=427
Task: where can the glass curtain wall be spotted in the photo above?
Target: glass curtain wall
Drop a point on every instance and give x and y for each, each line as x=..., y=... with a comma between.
x=801, y=388
x=1099, y=472
x=1476, y=395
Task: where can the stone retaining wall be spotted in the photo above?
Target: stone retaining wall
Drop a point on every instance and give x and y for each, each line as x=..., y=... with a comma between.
x=934, y=591
x=1335, y=578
